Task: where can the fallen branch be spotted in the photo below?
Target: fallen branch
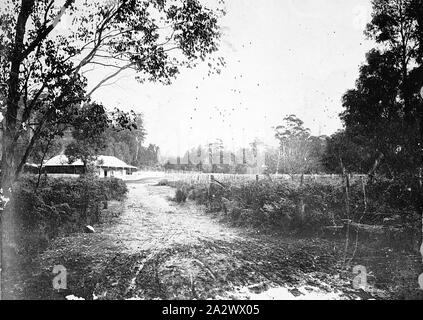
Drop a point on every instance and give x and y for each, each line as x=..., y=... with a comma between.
x=367, y=228
x=372, y=228
x=333, y=228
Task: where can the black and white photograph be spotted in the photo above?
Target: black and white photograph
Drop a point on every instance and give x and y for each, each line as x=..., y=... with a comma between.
x=223, y=152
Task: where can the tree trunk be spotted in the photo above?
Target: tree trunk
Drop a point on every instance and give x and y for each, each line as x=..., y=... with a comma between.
x=8, y=163
x=40, y=168
x=277, y=163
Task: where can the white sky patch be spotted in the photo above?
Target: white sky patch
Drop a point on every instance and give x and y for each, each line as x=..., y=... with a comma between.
x=283, y=57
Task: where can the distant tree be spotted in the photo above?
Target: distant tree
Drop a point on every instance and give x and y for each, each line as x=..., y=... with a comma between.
x=272, y=159
x=120, y=144
x=317, y=147
x=139, y=134
x=148, y=156
x=125, y=143
x=295, y=147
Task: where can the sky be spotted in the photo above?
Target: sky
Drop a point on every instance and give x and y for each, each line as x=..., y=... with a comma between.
x=282, y=57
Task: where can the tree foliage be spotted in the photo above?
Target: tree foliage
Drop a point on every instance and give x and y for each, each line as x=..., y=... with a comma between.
x=344, y=151
x=127, y=144
x=299, y=151
x=385, y=109
x=89, y=139
x=383, y=114
x=148, y=156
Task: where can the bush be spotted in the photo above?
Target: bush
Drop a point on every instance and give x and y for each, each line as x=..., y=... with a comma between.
x=181, y=195
x=301, y=208
x=59, y=206
x=163, y=182
x=114, y=188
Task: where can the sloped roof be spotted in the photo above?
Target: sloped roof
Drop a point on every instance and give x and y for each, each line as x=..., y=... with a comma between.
x=29, y=164
x=102, y=161
x=110, y=161
x=61, y=160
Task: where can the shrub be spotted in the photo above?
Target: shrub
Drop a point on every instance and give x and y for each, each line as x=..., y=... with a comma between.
x=59, y=206
x=302, y=208
x=163, y=182
x=181, y=195
x=114, y=188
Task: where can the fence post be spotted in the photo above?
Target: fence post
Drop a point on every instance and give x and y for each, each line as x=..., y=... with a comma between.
x=302, y=204
x=347, y=202
x=210, y=190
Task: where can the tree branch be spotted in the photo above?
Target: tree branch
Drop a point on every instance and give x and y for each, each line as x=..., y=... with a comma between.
x=129, y=65
x=43, y=34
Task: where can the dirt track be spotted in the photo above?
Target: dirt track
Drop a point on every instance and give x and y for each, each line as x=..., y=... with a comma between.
x=158, y=249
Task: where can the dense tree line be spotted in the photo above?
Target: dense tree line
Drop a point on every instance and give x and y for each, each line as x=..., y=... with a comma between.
x=383, y=114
